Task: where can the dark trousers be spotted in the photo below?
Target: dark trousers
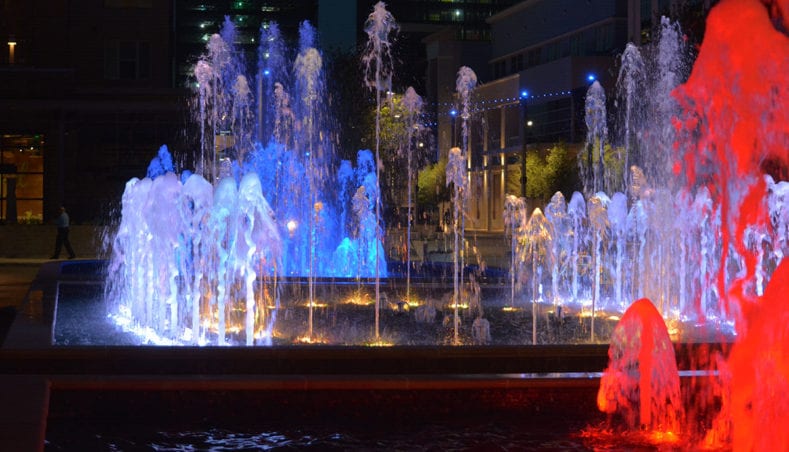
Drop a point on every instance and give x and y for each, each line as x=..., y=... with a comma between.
x=62, y=240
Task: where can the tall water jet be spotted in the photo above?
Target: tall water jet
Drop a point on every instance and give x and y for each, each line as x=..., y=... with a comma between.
x=514, y=221
x=598, y=220
x=378, y=68
x=597, y=134
x=538, y=237
x=735, y=128
x=637, y=235
x=413, y=106
x=204, y=75
x=668, y=69
x=307, y=68
x=556, y=213
x=576, y=210
x=218, y=60
x=617, y=220
x=630, y=86
x=456, y=176
x=272, y=64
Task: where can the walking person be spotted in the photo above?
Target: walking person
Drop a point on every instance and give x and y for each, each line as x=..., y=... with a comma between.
x=62, y=223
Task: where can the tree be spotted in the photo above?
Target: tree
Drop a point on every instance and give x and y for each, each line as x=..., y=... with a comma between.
x=431, y=184
x=394, y=146
x=546, y=173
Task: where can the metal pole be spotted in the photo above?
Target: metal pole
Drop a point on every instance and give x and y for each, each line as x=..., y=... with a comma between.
x=522, y=131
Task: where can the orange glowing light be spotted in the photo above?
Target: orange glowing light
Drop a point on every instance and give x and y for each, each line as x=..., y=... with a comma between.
x=359, y=300
x=310, y=340
x=660, y=437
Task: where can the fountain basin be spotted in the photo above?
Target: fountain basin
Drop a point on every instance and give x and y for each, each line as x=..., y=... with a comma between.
x=66, y=306
x=73, y=396
x=439, y=396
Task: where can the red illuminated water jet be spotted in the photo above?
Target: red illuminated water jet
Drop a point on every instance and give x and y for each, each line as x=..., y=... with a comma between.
x=641, y=382
x=733, y=131
x=737, y=114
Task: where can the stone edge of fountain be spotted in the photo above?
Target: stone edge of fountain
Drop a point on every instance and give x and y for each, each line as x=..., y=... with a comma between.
x=31, y=372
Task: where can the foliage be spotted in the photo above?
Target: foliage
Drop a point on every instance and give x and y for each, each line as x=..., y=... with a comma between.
x=429, y=178
x=394, y=146
x=513, y=180
x=613, y=164
x=392, y=132
x=546, y=173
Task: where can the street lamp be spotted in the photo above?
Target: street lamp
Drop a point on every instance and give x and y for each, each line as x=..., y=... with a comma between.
x=453, y=114
x=291, y=226
x=524, y=96
x=11, y=51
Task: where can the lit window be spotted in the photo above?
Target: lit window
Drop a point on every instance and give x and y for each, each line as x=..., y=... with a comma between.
x=22, y=178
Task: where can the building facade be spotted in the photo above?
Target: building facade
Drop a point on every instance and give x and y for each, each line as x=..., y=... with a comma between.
x=85, y=97
x=543, y=57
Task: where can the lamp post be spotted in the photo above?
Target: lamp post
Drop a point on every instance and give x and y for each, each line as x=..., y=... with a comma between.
x=524, y=96
x=453, y=114
x=11, y=52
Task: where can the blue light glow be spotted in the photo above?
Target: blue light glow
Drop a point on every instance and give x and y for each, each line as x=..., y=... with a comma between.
x=524, y=94
x=591, y=77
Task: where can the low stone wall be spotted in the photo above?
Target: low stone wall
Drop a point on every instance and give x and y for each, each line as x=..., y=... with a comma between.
x=38, y=241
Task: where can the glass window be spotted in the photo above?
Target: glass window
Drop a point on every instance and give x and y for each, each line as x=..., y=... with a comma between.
x=550, y=52
x=22, y=177
x=110, y=60
x=127, y=60
x=575, y=44
x=128, y=3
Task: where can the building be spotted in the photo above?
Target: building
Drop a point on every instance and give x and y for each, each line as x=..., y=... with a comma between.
x=85, y=98
x=194, y=21
x=417, y=20
x=544, y=54
x=90, y=90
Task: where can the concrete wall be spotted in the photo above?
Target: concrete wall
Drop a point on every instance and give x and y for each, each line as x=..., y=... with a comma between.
x=38, y=241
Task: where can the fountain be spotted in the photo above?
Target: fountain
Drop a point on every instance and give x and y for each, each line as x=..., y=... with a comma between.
x=642, y=372
x=217, y=272
x=219, y=257
x=658, y=235
x=378, y=76
x=732, y=134
x=253, y=213
x=413, y=105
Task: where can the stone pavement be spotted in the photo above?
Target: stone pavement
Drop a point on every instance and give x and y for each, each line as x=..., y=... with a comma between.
x=23, y=427
x=15, y=278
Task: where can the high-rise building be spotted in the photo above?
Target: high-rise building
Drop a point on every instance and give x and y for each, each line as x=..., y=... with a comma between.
x=418, y=20
x=194, y=22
